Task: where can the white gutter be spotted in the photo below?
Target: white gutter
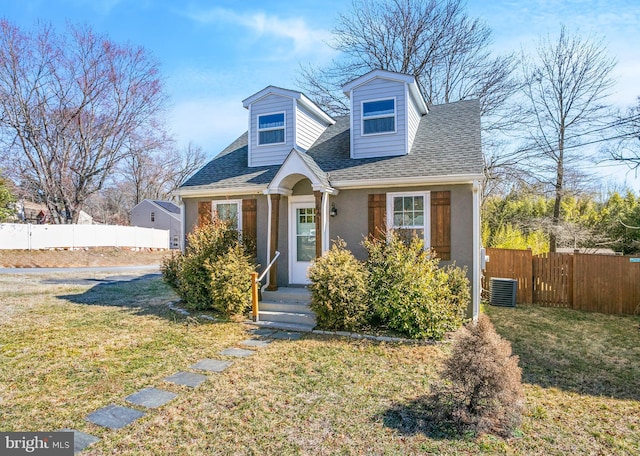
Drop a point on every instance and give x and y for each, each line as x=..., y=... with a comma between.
x=207, y=192
x=406, y=181
x=476, y=251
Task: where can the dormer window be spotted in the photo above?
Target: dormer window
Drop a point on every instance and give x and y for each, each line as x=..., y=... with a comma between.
x=379, y=116
x=271, y=129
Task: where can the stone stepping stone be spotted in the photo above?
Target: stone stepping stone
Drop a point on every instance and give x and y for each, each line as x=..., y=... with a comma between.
x=257, y=343
x=262, y=332
x=211, y=365
x=81, y=440
x=151, y=397
x=286, y=335
x=238, y=352
x=114, y=416
x=186, y=379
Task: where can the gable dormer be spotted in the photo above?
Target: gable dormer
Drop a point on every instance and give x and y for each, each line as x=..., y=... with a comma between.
x=281, y=120
x=386, y=108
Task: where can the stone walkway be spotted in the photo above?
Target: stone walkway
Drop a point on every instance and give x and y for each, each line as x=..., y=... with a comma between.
x=115, y=416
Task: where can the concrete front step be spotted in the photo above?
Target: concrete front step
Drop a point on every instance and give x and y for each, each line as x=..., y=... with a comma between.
x=287, y=306
x=287, y=295
x=287, y=317
x=282, y=326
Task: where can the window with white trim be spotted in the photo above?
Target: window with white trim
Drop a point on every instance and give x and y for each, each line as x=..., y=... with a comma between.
x=379, y=116
x=408, y=214
x=228, y=210
x=271, y=128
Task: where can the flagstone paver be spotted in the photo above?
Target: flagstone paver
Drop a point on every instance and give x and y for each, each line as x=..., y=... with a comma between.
x=81, y=440
x=186, y=379
x=114, y=416
x=286, y=335
x=262, y=332
x=212, y=365
x=151, y=397
x=257, y=343
x=238, y=352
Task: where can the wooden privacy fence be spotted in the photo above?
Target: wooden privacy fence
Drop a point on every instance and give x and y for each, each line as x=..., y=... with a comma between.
x=599, y=283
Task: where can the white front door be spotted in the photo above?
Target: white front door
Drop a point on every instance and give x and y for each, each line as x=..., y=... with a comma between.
x=302, y=238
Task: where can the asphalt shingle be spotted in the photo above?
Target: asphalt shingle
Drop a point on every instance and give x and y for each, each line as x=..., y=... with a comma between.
x=447, y=143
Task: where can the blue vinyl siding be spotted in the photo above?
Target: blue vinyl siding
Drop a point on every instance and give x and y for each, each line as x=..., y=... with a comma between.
x=384, y=144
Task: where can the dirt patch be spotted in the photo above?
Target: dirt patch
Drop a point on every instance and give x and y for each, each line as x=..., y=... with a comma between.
x=109, y=256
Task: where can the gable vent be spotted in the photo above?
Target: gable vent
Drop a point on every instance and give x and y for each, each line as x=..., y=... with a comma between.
x=503, y=292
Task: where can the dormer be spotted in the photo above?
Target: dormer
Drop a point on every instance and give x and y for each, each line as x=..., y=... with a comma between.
x=386, y=108
x=281, y=120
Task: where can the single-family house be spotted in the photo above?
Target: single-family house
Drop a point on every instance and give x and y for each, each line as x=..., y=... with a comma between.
x=299, y=178
x=161, y=215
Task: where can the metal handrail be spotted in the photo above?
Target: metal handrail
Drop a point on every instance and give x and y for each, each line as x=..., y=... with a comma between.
x=264, y=273
x=255, y=280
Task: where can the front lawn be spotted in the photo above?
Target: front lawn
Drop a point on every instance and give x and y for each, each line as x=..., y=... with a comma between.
x=68, y=349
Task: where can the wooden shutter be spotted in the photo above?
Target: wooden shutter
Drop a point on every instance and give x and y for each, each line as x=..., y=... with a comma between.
x=377, y=214
x=250, y=223
x=441, y=224
x=204, y=212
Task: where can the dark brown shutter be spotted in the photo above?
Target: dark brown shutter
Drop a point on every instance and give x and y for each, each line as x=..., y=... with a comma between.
x=250, y=223
x=441, y=224
x=377, y=214
x=204, y=212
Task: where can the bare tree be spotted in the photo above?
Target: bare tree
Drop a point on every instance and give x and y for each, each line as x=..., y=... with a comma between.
x=566, y=86
x=627, y=147
x=435, y=41
x=71, y=106
x=155, y=173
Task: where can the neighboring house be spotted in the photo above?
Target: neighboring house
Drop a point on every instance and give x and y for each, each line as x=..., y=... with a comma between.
x=300, y=178
x=162, y=215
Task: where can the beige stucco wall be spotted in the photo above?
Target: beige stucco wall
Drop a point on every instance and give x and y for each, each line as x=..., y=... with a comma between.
x=351, y=223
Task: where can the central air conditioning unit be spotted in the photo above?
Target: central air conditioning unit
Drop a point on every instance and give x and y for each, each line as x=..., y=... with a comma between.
x=503, y=292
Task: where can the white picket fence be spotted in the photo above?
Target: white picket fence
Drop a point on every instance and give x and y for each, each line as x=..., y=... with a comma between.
x=33, y=237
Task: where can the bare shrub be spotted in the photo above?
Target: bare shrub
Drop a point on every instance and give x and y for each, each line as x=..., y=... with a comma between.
x=480, y=388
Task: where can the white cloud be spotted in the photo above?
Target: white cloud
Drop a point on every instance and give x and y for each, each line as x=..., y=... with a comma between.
x=306, y=40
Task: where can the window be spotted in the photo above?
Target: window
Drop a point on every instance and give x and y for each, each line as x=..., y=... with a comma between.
x=153, y=216
x=271, y=129
x=228, y=210
x=409, y=214
x=379, y=116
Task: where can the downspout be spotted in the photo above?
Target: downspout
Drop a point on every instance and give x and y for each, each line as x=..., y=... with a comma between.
x=476, y=250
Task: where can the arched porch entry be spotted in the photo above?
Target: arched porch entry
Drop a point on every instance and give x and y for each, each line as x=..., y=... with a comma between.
x=307, y=190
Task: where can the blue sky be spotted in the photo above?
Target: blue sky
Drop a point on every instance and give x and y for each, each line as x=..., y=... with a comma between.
x=214, y=54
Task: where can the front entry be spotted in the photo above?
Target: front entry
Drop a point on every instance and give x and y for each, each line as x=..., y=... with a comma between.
x=302, y=238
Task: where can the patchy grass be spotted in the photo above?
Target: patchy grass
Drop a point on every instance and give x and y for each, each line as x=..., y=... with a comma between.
x=69, y=347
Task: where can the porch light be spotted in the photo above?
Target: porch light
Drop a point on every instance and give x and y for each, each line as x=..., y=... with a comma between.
x=333, y=211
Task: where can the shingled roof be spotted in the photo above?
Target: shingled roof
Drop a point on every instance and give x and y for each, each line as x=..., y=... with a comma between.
x=447, y=143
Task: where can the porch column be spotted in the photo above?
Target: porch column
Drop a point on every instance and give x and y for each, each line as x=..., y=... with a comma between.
x=318, y=196
x=275, y=223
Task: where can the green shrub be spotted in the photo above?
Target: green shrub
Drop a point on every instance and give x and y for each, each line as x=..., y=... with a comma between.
x=481, y=384
x=170, y=268
x=338, y=289
x=196, y=275
x=229, y=281
x=409, y=292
